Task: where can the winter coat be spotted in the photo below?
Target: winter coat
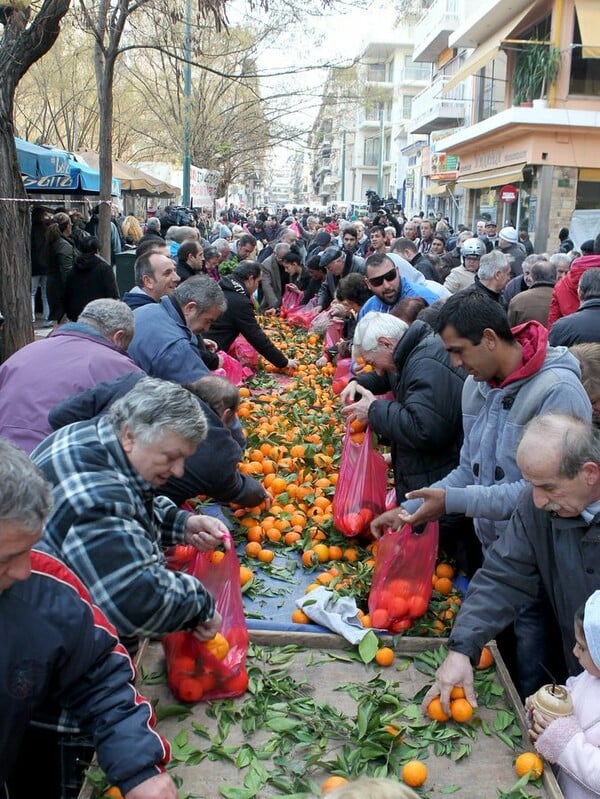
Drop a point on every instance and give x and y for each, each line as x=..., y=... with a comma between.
x=91, y=278
x=565, y=299
x=164, y=346
x=407, y=289
x=272, y=283
x=516, y=254
x=425, y=267
x=580, y=327
x=487, y=482
x=211, y=469
x=514, y=286
x=61, y=257
x=39, y=249
x=459, y=279
x=531, y=304
x=58, y=647
x=73, y=358
x=423, y=422
x=330, y=284
x=537, y=549
x=137, y=297
x=239, y=317
x=573, y=742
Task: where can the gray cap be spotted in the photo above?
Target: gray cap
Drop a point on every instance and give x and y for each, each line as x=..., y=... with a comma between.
x=329, y=255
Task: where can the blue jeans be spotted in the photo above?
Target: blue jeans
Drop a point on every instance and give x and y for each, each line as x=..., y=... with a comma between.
x=41, y=281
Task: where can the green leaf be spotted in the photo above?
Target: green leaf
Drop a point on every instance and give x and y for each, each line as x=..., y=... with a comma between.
x=236, y=793
x=166, y=711
x=449, y=789
x=283, y=724
x=200, y=730
x=368, y=647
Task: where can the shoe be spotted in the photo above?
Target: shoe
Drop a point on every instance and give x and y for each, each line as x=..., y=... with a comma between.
x=48, y=324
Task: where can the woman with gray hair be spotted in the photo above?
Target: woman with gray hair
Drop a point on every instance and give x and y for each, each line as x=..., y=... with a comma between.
x=109, y=522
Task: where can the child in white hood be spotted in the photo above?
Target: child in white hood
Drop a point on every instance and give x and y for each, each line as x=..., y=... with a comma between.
x=573, y=742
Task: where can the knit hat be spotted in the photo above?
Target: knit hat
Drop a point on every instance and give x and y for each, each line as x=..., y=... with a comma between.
x=591, y=626
x=224, y=232
x=509, y=234
x=329, y=255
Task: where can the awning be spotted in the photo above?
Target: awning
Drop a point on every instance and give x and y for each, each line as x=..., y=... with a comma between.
x=493, y=177
x=436, y=189
x=589, y=175
x=588, y=16
x=132, y=179
x=486, y=51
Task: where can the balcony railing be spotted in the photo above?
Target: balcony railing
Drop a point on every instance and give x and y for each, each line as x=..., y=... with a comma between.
x=432, y=30
x=432, y=110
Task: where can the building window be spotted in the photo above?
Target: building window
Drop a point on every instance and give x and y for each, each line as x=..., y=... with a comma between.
x=374, y=110
x=371, y=151
x=585, y=72
x=414, y=71
x=376, y=72
x=407, y=107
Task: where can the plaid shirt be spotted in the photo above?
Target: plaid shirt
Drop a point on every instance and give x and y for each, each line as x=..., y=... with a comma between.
x=108, y=527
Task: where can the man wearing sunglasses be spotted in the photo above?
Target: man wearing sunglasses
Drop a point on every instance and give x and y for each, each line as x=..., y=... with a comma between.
x=388, y=287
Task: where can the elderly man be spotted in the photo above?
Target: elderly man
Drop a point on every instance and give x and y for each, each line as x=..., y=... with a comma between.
x=58, y=649
x=423, y=422
x=513, y=376
x=74, y=357
x=388, y=287
x=508, y=243
x=583, y=326
x=274, y=278
x=552, y=542
x=562, y=262
x=463, y=276
x=152, y=234
x=168, y=339
x=334, y=260
x=155, y=277
x=492, y=276
x=534, y=303
x=107, y=523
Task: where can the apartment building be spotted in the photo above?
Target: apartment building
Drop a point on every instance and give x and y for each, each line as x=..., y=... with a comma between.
x=527, y=76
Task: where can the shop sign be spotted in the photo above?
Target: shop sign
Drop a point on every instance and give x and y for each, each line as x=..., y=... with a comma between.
x=509, y=193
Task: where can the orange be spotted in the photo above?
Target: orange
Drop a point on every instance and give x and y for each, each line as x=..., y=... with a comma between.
x=275, y=533
x=336, y=553
x=300, y=617
x=243, y=391
x=380, y=618
x=486, y=659
x=461, y=710
x=444, y=570
x=255, y=533
x=414, y=773
x=417, y=606
x=278, y=485
x=325, y=578
x=309, y=558
x=443, y=585
x=253, y=549
x=291, y=538
x=384, y=656
x=256, y=455
x=311, y=587
x=457, y=692
x=322, y=552
x=435, y=710
x=113, y=792
x=190, y=689
x=350, y=555
x=365, y=620
x=217, y=556
x=529, y=763
x=266, y=555
x=331, y=783
x=297, y=451
x=218, y=646
x=246, y=575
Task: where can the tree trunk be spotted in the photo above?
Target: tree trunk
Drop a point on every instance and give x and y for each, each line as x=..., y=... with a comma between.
x=105, y=79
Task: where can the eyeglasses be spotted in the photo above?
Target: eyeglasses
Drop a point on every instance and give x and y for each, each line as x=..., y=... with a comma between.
x=388, y=277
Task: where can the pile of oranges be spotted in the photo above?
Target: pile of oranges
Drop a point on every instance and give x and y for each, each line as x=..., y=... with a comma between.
x=461, y=709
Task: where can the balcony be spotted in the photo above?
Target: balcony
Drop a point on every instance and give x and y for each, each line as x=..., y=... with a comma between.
x=432, y=110
x=415, y=75
x=483, y=19
x=434, y=27
x=324, y=166
x=369, y=120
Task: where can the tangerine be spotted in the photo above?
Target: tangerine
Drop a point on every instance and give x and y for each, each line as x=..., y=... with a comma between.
x=435, y=710
x=461, y=710
x=417, y=606
x=486, y=659
x=253, y=549
x=529, y=763
x=246, y=575
x=457, y=692
x=384, y=656
x=414, y=773
x=331, y=783
x=299, y=617
x=444, y=570
x=443, y=585
x=218, y=646
x=380, y=618
x=266, y=555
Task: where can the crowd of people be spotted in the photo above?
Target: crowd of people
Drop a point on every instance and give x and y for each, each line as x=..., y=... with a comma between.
x=121, y=414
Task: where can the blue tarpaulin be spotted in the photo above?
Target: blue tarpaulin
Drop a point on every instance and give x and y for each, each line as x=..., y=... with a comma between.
x=45, y=169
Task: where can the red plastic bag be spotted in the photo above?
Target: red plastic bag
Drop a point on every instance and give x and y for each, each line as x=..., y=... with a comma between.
x=215, y=669
x=289, y=302
x=360, y=492
x=303, y=316
x=231, y=368
x=341, y=376
x=244, y=352
x=401, y=587
x=333, y=334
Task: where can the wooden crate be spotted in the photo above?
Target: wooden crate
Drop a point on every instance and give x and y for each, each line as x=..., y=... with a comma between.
x=489, y=767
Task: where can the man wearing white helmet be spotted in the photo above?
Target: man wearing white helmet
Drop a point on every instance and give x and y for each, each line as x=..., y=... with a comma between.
x=463, y=276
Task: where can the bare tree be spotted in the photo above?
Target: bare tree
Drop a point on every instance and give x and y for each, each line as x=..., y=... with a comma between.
x=28, y=34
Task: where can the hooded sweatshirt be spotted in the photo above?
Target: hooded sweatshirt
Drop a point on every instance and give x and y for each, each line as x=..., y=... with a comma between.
x=565, y=299
x=487, y=482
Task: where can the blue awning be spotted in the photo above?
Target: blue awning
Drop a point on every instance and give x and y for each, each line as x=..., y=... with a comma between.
x=45, y=169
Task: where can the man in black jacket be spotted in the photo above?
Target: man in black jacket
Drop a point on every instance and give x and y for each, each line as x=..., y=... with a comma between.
x=239, y=316
x=583, y=326
x=190, y=257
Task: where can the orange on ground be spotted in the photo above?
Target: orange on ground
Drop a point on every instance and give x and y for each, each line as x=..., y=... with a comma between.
x=435, y=710
x=266, y=555
x=309, y=558
x=336, y=553
x=253, y=549
x=291, y=538
x=458, y=692
x=443, y=585
x=529, y=763
x=350, y=555
x=246, y=575
x=331, y=783
x=486, y=659
x=299, y=616
x=322, y=552
x=414, y=773
x=384, y=656
x=461, y=710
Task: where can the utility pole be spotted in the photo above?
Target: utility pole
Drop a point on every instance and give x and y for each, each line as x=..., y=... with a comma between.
x=187, y=97
x=343, y=166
